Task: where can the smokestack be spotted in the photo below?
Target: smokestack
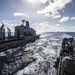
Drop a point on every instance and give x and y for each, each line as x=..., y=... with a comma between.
x=27, y=24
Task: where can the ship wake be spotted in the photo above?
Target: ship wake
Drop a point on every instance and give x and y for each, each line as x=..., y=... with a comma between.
x=45, y=50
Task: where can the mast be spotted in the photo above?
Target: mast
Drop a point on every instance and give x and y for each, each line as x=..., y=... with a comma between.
x=23, y=21
x=2, y=32
x=9, y=32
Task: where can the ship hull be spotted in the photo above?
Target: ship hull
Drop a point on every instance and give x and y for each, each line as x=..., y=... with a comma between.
x=4, y=45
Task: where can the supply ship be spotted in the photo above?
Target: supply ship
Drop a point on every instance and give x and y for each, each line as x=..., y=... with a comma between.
x=13, y=56
x=22, y=34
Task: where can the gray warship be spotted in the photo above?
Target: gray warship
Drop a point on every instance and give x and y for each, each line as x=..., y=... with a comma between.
x=14, y=55
x=22, y=34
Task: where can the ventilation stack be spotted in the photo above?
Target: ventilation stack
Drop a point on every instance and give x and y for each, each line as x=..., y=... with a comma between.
x=27, y=24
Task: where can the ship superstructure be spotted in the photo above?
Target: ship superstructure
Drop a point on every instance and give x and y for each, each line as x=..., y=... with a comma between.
x=20, y=31
x=23, y=30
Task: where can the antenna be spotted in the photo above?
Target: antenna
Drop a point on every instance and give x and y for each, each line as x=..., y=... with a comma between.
x=2, y=26
x=9, y=33
x=23, y=21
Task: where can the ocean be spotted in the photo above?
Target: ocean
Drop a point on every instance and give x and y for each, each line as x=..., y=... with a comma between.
x=45, y=50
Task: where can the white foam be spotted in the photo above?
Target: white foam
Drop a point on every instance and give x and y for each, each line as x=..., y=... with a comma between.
x=45, y=48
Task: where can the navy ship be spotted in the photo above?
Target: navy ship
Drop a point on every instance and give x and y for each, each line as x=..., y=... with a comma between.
x=14, y=57
x=22, y=34
x=65, y=64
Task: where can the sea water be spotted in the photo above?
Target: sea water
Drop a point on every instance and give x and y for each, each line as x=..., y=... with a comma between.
x=45, y=50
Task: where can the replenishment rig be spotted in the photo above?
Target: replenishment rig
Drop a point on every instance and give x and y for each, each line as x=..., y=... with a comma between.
x=66, y=60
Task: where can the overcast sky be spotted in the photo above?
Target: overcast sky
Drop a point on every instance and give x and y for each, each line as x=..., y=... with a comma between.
x=43, y=15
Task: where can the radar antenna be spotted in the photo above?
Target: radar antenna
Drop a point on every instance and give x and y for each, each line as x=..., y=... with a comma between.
x=23, y=21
